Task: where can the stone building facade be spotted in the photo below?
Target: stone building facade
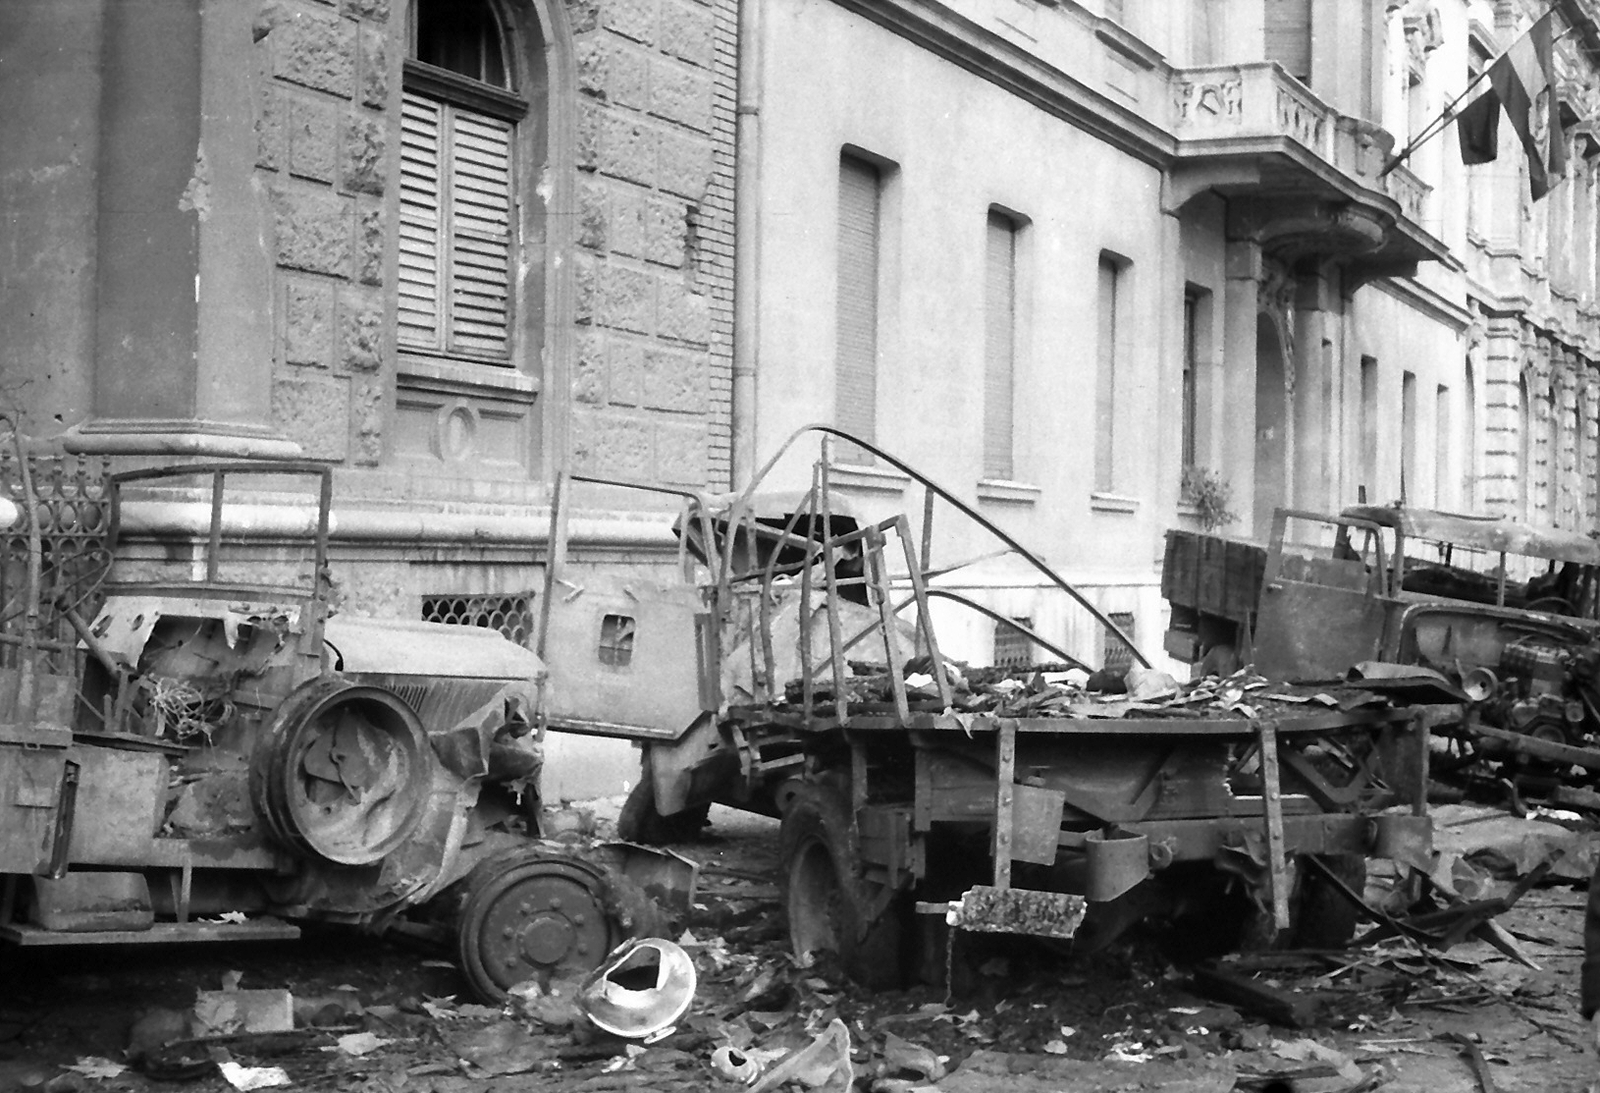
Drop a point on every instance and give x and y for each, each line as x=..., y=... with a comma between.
x=1062, y=254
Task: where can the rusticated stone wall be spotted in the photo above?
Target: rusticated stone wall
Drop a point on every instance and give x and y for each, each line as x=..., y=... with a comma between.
x=653, y=261
x=322, y=155
x=655, y=239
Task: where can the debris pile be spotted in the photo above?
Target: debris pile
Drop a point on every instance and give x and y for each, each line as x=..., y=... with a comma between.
x=1061, y=690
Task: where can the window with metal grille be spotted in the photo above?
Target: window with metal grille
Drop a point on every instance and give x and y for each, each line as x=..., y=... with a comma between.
x=511, y=615
x=458, y=127
x=616, y=640
x=1011, y=648
x=1118, y=657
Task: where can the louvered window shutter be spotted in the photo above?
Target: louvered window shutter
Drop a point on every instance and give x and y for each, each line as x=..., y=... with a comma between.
x=856, y=360
x=999, y=340
x=420, y=163
x=480, y=233
x=455, y=230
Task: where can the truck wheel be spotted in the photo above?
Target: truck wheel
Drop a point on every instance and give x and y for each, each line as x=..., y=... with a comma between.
x=535, y=914
x=1323, y=917
x=829, y=904
x=639, y=822
x=1319, y=916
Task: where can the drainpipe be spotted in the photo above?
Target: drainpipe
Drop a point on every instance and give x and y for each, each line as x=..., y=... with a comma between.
x=746, y=244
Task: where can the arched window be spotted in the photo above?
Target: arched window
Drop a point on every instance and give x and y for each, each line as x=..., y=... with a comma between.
x=459, y=172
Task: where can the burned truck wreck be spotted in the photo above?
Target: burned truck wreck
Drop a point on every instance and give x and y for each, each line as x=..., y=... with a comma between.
x=1491, y=622
x=795, y=670
x=190, y=752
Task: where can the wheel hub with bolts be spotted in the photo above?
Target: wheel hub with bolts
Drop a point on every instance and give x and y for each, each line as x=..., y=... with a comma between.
x=533, y=918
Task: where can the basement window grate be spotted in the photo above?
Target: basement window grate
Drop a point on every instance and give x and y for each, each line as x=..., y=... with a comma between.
x=1011, y=648
x=1118, y=657
x=511, y=615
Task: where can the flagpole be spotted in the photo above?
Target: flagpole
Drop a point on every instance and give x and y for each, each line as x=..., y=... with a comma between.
x=1434, y=127
x=1442, y=120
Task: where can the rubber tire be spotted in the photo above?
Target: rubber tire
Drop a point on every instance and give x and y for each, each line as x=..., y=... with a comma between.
x=639, y=822
x=826, y=901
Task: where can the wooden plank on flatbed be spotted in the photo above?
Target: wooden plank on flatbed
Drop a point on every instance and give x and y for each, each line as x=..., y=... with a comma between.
x=1004, y=781
x=263, y=929
x=1272, y=806
x=1237, y=727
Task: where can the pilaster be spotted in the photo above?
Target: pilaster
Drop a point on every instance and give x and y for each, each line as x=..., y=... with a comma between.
x=178, y=224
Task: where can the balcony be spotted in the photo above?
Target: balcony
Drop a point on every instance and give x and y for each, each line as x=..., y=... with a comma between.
x=1303, y=179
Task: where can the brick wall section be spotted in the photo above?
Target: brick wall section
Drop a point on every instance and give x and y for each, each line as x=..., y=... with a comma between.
x=321, y=156
x=654, y=259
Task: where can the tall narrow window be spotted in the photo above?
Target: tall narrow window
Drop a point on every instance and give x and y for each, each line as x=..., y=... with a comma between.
x=1288, y=36
x=1552, y=455
x=1369, y=427
x=458, y=124
x=1205, y=31
x=1442, y=437
x=1525, y=448
x=1408, y=437
x=1108, y=350
x=999, y=347
x=1196, y=307
x=856, y=353
x=1469, y=437
x=1575, y=479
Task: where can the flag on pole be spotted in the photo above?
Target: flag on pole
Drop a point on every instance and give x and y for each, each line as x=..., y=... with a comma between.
x=1522, y=82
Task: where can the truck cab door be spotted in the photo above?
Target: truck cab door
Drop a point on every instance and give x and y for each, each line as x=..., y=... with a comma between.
x=1322, y=610
x=628, y=656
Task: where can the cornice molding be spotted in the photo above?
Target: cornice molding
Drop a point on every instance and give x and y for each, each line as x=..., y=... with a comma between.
x=984, y=53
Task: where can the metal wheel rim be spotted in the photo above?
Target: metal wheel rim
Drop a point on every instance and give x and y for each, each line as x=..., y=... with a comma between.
x=536, y=920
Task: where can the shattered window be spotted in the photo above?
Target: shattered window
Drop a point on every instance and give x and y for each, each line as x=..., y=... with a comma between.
x=616, y=640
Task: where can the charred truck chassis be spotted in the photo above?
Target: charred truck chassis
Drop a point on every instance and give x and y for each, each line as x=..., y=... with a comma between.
x=1077, y=829
x=1518, y=661
x=176, y=750
x=897, y=806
